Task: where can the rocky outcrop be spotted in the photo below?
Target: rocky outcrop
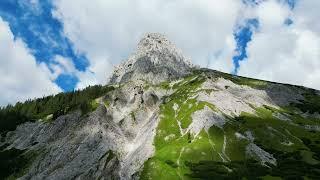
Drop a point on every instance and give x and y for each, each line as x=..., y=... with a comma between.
x=111, y=142
x=142, y=126
x=156, y=60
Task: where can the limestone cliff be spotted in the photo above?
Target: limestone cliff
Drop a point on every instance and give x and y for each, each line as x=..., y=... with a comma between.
x=156, y=60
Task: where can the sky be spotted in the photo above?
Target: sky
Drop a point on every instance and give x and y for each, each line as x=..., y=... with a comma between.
x=52, y=46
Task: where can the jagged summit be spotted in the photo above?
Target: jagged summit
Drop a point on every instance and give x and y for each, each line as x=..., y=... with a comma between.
x=155, y=60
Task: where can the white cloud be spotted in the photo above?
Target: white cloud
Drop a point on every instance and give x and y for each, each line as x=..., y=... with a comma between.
x=63, y=65
x=20, y=76
x=97, y=70
x=223, y=60
x=107, y=31
x=288, y=54
x=272, y=13
x=96, y=74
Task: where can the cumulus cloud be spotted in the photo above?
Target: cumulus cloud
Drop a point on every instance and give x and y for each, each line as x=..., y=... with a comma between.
x=108, y=31
x=272, y=14
x=288, y=54
x=62, y=65
x=20, y=76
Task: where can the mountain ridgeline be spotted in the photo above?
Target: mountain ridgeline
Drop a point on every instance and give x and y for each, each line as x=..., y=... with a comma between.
x=160, y=117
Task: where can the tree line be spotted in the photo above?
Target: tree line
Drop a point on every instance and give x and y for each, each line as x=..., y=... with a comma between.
x=55, y=105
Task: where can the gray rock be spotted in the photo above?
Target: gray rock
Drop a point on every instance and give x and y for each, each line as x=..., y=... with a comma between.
x=156, y=60
x=109, y=143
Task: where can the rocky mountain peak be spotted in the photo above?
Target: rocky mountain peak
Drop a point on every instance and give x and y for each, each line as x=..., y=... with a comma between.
x=152, y=42
x=155, y=60
x=209, y=125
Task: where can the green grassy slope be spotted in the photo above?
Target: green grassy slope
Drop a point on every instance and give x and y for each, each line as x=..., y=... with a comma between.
x=220, y=154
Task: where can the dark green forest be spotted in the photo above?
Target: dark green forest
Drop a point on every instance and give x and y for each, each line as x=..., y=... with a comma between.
x=55, y=105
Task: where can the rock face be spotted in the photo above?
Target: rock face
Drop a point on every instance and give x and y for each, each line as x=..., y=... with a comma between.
x=156, y=60
x=112, y=142
x=166, y=119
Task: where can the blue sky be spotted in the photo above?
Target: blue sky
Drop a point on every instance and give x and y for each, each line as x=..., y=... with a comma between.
x=75, y=43
x=43, y=34
x=242, y=36
x=243, y=32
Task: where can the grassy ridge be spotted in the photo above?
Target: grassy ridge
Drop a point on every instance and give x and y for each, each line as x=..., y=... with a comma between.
x=173, y=145
x=219, y=153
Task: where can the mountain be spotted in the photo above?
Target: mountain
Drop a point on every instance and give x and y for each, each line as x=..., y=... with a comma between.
x=156, y=60
x=161, y=117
